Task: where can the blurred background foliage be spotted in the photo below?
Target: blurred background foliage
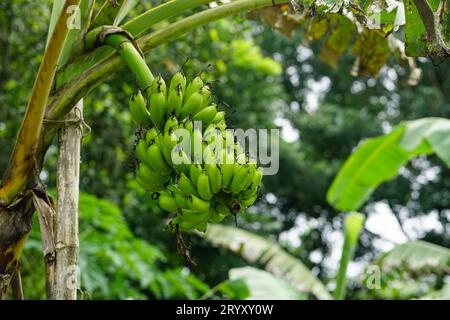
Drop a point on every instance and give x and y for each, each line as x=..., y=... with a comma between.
x=263, y=80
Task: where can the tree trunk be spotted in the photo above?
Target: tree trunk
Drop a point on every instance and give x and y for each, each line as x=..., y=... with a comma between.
x=66, y=221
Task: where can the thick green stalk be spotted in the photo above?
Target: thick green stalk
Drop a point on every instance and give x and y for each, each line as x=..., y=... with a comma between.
x=353, y=224
x=136, y=27
x=74, y=90
x=132, y=57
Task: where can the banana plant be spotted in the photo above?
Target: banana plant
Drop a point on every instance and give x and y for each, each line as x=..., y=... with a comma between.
x=379, y=159
x=86, y=44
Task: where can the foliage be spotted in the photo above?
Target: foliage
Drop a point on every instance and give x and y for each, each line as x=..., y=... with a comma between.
x=416, y=269
x=347, y=111
x=114, y=264
x=380, y=159
x=257, y=249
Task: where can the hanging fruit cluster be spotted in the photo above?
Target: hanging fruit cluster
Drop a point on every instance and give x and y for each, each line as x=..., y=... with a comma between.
x=207, y=181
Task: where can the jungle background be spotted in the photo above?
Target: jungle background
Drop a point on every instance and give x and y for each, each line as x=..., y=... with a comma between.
x=264, y=80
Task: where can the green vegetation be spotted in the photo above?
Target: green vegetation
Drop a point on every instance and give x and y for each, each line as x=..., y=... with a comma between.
x=364, y=113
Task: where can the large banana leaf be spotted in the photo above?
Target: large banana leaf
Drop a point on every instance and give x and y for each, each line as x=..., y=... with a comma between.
x=416, y=256
x=277, y=261
x=379, y=159
x=263, y=285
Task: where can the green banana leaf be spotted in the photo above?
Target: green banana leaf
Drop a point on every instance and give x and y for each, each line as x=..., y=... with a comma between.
x=379, y=159
x=254, y=248
x=263, y=285
x=416, y=256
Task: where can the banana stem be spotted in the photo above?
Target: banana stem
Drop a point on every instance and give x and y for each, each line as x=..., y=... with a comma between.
x=132, y=57
x=75, y=88
x=136, y=26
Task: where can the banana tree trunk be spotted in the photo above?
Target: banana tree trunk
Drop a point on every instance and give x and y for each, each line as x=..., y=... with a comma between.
x=66, y=220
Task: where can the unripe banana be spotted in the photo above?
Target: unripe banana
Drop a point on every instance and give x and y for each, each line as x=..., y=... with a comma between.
x=181, y=200
x=156, y=159
x=251, y=175
x=245, y=203
x=147, y=186
x=141, y=151
x=181, y=162
x=215, y=177
x=188, y=125
x=196, y=146
x=227, y=170
x=169, y=145
x=205, y=91
x=216, y=217
x=220, y=116
x=194, y=86
x=151, y=135
x=159, y=85
x=171, y=124
x=138, y=109
x=257, y=179
x=239, y=178
x=194, y=172
x=158, y=109
x=150, y=176
x=203, y=187
x=186, y=186
x=191, y=105
x=178, y=82
x=167, y=202
x=194, y=216
x=222, y=209
x=198, y=204
x=206, y=115
x=174, y=102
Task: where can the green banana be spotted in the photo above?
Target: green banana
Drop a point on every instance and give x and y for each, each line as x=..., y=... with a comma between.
x=248, y=201
x=181, y=162
x=239, y=178
x=174, y=102
x=150, y=176
x=147, y=186
x=191, y=105
x=206, y=115
x=205, y=91
x=178, y=82
x=151, y=135
x=220, y=116
x=194, y=86
x=215, y=177
x=196, y=146
x=198, y=204
x=227, y=170
x=257, y=179
x=251, y=175
x=194, y=172
x=181, y=200
x=141, y=151
x=216, y=217
x=203, y=187
x=186, y=186
x=194, y=216
x=170, y=125
x=138, y=109
x=222, y=209
x=167, y=202
x=156, y=159
x=158, y=109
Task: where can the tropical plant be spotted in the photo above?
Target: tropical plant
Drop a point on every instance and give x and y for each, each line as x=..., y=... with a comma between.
x=87, y=42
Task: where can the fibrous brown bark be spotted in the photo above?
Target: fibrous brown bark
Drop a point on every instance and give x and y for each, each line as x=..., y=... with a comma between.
x=66, y=220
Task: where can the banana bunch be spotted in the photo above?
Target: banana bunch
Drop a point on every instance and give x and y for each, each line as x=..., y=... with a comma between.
x=208, y=179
